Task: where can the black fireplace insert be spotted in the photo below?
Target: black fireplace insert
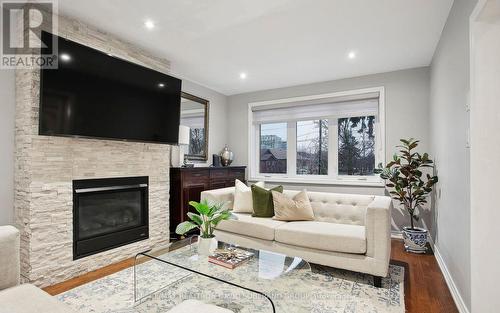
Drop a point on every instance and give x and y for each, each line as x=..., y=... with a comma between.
x=108, y=213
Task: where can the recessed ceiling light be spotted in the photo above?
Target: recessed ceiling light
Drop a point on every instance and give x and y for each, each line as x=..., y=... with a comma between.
x=161, y=85
x=149, y=24
x=65, y=57
x=351, y=55
x=243, y=75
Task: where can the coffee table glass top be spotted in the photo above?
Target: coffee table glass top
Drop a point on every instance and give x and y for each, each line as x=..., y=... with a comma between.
x=263, y=266
x=167, y=276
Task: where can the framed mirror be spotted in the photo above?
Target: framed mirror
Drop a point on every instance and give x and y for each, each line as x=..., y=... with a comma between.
x=194, y=114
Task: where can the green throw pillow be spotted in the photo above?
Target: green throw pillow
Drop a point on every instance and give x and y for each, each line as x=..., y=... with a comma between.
x=263, y=201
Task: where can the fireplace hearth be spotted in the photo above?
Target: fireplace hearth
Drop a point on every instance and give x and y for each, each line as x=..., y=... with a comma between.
x=108, y=213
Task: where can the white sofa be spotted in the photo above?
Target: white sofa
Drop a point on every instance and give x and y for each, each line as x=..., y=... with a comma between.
x=350, y=232
x=16, y=298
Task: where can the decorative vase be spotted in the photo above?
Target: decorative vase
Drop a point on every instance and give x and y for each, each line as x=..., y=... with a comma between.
x=415, y=239
x=226, y=156
x=206, y=246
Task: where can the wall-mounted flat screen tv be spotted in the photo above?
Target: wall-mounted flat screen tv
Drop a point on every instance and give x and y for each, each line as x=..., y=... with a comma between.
x=97, y=95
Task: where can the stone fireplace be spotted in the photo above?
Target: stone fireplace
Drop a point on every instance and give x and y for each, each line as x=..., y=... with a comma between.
x=47, y=167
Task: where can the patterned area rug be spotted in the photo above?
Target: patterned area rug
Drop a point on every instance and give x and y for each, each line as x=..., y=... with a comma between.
x=160, y=287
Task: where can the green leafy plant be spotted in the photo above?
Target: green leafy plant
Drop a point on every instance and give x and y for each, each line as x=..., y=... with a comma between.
x=404, y=177
x=210, y=215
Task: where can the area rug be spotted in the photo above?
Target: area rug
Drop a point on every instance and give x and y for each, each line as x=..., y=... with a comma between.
x=160, y=287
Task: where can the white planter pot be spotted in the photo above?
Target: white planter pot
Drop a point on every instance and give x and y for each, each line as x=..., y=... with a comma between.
x=206, y=246
x=415, y=239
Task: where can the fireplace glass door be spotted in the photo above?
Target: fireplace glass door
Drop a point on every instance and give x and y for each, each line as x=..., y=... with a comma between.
x=102, y=213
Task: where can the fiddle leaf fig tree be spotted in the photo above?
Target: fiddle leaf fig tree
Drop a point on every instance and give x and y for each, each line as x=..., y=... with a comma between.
x=405, y=179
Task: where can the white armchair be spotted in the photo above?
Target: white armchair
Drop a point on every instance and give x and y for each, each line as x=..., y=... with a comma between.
x=9, y=257
x=15, y=298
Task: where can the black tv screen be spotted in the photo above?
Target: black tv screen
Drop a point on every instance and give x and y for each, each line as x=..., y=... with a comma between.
x=94, y=94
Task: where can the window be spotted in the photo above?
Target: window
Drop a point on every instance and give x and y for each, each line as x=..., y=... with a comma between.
x=312, y=147
x=356, y=145
x=273, y=148
x=332, y=138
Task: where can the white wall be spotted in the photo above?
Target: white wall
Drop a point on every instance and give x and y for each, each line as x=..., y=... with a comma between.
x=407, y=112
x=7, y=111
x=485, y=153
x=217, y=124
x=449, y=123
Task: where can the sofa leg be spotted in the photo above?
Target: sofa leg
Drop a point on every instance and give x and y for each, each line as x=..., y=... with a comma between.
x=377, y=281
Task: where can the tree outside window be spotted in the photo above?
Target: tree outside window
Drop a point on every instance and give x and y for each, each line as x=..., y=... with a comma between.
x=356, y=146
x=312, y=147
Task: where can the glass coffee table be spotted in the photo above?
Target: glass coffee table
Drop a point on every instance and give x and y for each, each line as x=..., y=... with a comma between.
x=163, y=278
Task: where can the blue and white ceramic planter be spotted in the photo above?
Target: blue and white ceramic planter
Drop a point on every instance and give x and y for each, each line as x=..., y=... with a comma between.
x=415, y=239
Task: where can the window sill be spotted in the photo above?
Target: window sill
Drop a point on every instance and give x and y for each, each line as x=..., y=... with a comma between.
x=320, y=181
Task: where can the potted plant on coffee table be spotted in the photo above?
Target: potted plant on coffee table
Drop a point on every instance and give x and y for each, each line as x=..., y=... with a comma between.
x=208, y=217
x=410, y=186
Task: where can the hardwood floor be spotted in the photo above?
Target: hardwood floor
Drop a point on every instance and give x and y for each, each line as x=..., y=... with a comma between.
x=80, y=280
x=425, y=288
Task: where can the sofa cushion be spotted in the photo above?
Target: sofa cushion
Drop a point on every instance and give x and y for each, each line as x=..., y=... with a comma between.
x=30, y=299
x=246, y=224
x=222, y=195
x=243, y=202
x=323, y=236
x=297, y=208
x=337, y=208
x=263, y=201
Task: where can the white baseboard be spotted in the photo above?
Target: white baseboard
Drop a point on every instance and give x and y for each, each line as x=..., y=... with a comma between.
x=395, y=234
x=462, y=308
x=431, y=241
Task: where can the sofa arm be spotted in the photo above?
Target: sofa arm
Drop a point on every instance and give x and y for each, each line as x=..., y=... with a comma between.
x=378, y=231
x=225, y=195
x=9, y=257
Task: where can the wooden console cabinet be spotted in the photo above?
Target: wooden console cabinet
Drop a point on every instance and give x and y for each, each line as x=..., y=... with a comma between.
x=186, y=184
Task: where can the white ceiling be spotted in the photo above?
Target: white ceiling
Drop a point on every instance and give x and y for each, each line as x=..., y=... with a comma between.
x=276, y=42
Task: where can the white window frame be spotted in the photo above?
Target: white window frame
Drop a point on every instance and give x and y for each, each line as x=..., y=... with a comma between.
x=332, y=178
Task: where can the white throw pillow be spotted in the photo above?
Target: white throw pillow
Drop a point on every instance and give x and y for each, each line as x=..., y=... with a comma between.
x=243, y=202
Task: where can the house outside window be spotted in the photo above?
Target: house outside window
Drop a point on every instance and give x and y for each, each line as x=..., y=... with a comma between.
x=273, y=148
x=335, y=138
